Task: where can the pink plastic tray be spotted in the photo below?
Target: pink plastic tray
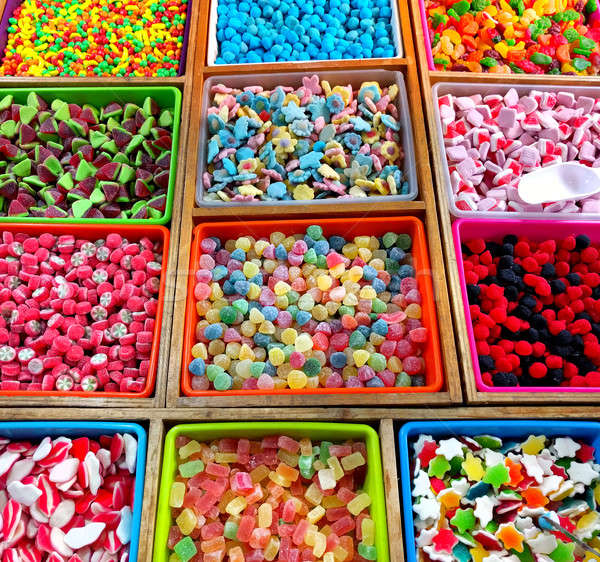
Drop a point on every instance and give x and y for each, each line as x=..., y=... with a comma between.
x=537, y=230
x=426, y=37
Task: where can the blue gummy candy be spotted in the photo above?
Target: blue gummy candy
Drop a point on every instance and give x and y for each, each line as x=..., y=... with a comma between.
x=197, y=367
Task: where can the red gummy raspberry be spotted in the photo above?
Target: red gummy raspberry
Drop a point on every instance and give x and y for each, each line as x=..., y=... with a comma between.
x=568, y=243
x=538, y=370
x=554, y=362
x=530, y=265
x=477, y=246
x=592, y=378
x=522, y=249
x=523, y=348
x=589, y=254
x=512, y=323
x=577, y=380
x=539, y=349
x=481, y=332
x=498, y=315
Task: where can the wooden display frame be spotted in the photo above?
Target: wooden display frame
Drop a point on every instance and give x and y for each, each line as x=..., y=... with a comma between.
x=428, y=80
x=424, y=208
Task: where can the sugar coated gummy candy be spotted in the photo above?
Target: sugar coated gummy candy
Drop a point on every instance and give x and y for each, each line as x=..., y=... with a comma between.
x=307, y=311
x=515, y=36
x=534, y=319
x=271, y=499
x=67, y=497
x=492, y=141
x=492, y=500
x=315, y=141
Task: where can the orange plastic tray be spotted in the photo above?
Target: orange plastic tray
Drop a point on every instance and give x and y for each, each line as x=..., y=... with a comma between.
x=96, y=231
x=348, y=228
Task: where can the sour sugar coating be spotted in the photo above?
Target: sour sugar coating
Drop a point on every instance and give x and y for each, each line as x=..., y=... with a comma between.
x=95, y=38
x=77, y=314
x=492, y=141
x=68, y=498
x=485, y=498
x=516, y=36
x=534, y=309
x=271, y=499
x=306, y=311
x=311, y=142
x=300, y=30
x=63, y=160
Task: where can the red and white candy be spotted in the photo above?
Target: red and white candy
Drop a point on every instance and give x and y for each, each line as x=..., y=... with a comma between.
x=67, y=500
x=491, y=141
x=76, y=314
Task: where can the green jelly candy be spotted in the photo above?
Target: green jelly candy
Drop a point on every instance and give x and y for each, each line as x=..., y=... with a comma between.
x=84, y=170
x=389, y=239
x=53, y=164
x=563, y=552
x=223, y=381
x=456, y=465
x=438, y=466
x=305, y=466
x=404, y=241
x=496, y=475
x=492, y=527
x=378, y=306
x=23, y=168
x=525, y=556
x=461, y=552
x=293, y=297
x=241, y=305
x=315, y=231
x=26, y=114
x=8, y=128
x=377, y=362
x=257, y=368
x=488, y=441
x=81, y=207
x=228, y=314
x=463, y=520
x=489, y=61
x=230, y=530
x=185, y=549
x=344, y=309
x=212, y=371
x=189, y=469
x=357, y=340
x=310, y=256
x=402, y=379
x=587, y=43
x=324, y=452
x=580, y=64
x=6, y=102
x=312, y=367
x=321, y=261
x=367, y=552
x=462, y=7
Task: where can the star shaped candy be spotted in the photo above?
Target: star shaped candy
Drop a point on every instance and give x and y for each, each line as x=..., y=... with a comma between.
x=422, y=485
x=292, y=112
x=437, y=556
x=356, y=171
x=421, y=440
x=312, y=84
x=472, y=467
x=511, y=538
x=546, y=463
x=550, y=484
x=478, y=553
x=565, y=447
x=444, y=541
x=493, y=457
x=532, y=467
x=427, y=508
x=534, y=444
x=463, y=520
x=543, y=543
x=460, y=486
x=582, y=472
x=563, y=552
x=450, y=448
x=426, y=536
x=484, y=509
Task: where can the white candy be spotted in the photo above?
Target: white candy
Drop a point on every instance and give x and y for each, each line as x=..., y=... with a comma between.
x=19, y=470
x=78, y=537
x=63, y=513
x=59, y=542
x=130, y=451
x=25, y=494
x=92, y=468
x=43, y=449
x=64, y=471
x=124, y=528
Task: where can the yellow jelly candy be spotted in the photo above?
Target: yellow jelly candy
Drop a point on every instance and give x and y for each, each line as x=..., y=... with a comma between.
x=357, y=504
x=189, y=449
x=186, y=521
x=324, y=282
x=276, y=356
x=315, y=514
x=534, y=444
x=281, y=288
x=473, y=468
x=177, y=494
x=243, y=243
x=288, y=336
x=352, y=461
x=256, y=316
x=296, y=379
x=368, y=531
x=360, y=357
x=303, y=343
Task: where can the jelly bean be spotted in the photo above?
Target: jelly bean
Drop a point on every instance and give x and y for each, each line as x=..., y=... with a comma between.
x=63, y=160
x=39, y=481
x=85, y=335
x=523, y=132
x=95, y=38
x=304, y=143
x=539, y=327
x=347, y=334
x=506, y=516
x=269, y=505
x=520, y=36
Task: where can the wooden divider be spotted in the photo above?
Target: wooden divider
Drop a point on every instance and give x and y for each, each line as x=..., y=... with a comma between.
x=428, y=80
x=424, y=208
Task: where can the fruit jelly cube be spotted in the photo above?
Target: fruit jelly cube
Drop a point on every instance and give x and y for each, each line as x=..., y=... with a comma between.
x=271, y=549
x=185, y=549
x=216, y=556
x=278, y=479
x=217, y=470
x=347, y=544
x=326, y=479
x=336, y=467
x=205, y=503
x=297, y=488
x=211, y=530
x=336, y=513
x=290, y=459
x=328, y=557
x=320, y=544
x=212, y=545
x=259, y=538
x=313, y=495
x=181, y=440
x=340, y=553
x=191, y=497
x=275, y=490
x=215, y=487
x=288, y=444
x=259, y=473
x=294, y=555
x=236, y=554
x=347, y=482
x=226, y=458
x=300, y=532
x=245, y=528
x=284, y=548
x=230, y=530
x=332, y=541
x=340, y=450
x=189, y=449
x=227, y=445
x=306, y=447
x=189, y=469
x=358, y=522
x=360, y=502
x=368, y=531
x=287, y=472
x=177, y=494
x=289, y=511
x=174, y=536
x=186, y=521
x=255, y=495
x=315, y=514
x=269, y=442
x=345, y=495
x=255, y=555
x=353, y=461
x=236, y=506
x=343, y=526
x=241, y=483
x=265, y=515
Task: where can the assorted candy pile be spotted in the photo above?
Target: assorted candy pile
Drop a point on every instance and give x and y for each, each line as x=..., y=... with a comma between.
x=95, y=38
x=482, y=498
x=276, y=498
x=77, y=314
x=492, y=141
x=306, y=311
x=61, y=160
x=303, y=30
x=311, y=142
x=67, y=499
x=535, y=309
x=515, y=36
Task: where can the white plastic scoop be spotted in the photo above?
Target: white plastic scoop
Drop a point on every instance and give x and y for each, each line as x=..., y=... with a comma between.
x=568, y=180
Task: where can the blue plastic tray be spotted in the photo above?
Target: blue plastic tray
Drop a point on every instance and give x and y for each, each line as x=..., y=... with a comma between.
x=39, y=430
x=515, y=429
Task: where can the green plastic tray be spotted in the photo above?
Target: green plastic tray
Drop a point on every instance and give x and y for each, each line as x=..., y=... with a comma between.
x=165, y=96
x=335, y=432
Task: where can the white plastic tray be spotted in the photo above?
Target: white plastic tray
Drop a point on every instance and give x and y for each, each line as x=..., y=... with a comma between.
x=352, y=77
